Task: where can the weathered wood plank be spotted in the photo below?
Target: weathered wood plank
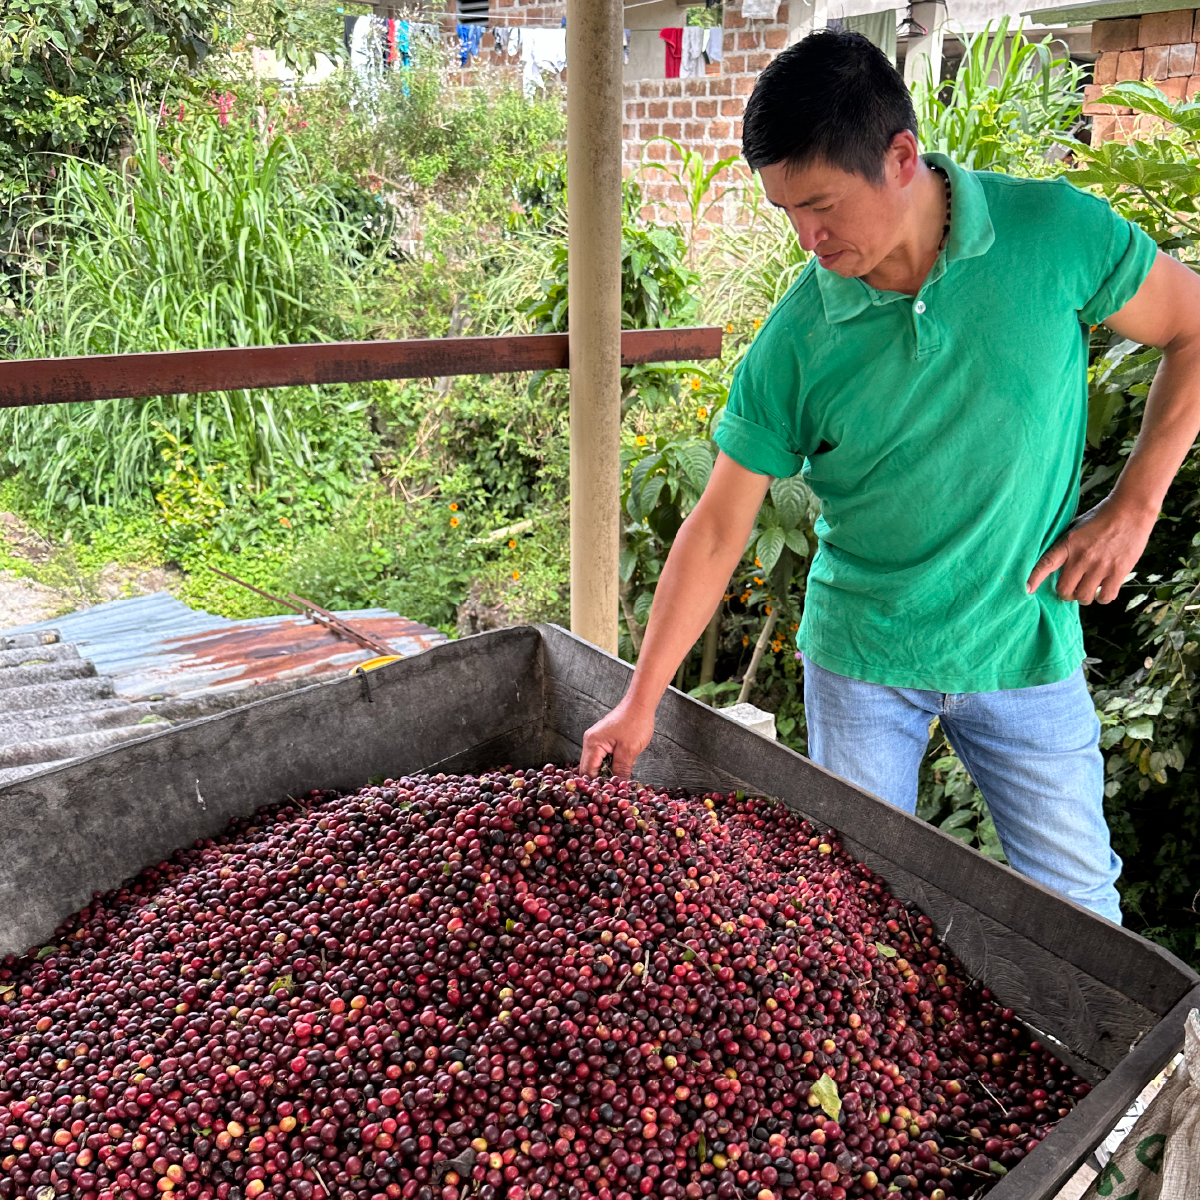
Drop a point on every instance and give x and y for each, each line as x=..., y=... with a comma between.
x=1148, y=975
x=95, y=822
x=113, y=376
x=1047, y=1169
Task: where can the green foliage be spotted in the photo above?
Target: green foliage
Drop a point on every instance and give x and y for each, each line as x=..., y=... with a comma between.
x=208, y=237
x=66, y=70
x=1154, y=181
x=1004, y=95
x=695, y=177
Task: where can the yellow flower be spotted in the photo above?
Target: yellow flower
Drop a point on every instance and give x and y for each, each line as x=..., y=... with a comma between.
x=728, y=328
x=745, y=597
x=702, y=412
x=757, y=563
x=776, y=645
x=516, y=575
x=285, y=522
x=767, y=610
x=695, y=385
x=757, y=322
x=454, y=508
x=758, y=581
x=512, y=543
x=453, y=522
x=745, y=640
x=640, y=439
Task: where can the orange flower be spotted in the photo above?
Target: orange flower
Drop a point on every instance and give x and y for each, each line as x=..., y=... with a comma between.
x=758, y=581
x=695, y=385
x=776, y=645
x=702, y=413
x=745, y=640
x=640, y=439
x=767, y=610
x=454, y=508
x=757, y=563
x=285, y=522
x=757, y=322
x=728, y=328
x=453, y=522
x=516, y=575
x=512, y=543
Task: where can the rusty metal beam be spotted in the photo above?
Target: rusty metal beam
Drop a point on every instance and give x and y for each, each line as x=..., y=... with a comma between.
x=129, y=376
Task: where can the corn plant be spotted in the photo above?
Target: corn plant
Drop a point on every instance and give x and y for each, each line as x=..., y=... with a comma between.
x=1003, y=97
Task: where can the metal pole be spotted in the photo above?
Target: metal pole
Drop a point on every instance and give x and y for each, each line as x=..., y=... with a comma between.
x=595, y=110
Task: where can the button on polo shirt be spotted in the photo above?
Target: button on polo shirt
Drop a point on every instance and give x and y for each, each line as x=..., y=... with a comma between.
x=943, y=435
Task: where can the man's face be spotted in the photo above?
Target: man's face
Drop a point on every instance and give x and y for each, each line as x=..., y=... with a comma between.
x=849, y=222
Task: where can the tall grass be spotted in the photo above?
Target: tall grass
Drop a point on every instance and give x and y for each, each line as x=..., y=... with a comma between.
x=207, y=237
x=1008, y=95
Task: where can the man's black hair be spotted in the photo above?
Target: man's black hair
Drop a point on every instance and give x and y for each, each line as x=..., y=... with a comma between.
x=832, y=97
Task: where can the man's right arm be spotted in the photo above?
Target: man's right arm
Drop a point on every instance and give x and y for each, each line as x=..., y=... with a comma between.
x=707, y=549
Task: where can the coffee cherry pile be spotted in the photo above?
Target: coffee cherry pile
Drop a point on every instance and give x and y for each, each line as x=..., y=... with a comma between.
x=523, y=986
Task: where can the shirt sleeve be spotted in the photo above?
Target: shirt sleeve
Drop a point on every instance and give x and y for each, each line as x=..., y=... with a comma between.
x=1121, y=270
x=758, y=425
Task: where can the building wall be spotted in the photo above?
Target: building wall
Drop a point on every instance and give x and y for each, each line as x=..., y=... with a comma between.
x=1158, y=49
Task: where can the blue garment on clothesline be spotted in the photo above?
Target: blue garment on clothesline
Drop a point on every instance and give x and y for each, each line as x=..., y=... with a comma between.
x=470, y=42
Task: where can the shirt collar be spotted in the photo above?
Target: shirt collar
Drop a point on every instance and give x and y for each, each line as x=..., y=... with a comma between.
x=971, y=234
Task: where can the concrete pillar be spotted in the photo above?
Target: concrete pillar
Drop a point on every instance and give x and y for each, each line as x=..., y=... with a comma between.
x=924, y=57
x=595, y=110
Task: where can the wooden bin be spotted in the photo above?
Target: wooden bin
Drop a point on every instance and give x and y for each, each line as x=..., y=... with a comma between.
x=1113, y=1002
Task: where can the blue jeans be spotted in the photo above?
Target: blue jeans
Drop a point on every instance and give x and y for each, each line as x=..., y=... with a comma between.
x=1033, y=752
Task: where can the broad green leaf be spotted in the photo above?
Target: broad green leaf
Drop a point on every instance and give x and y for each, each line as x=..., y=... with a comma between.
x=826, y=1092
x=791, y=498
x=796, y=542
x=886, y=951
x=957, y=819
x=696, y=459
x=628, y=564
x=770, y=546
x=1142, y=730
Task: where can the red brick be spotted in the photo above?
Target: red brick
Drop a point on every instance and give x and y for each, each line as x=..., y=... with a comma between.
x=735, y=64
x=743, y=85
x=1102, y=129
x=720, y=129
x=1093, y=107
x=720, y=87
x=1196, y=29
x=733, y=108
x=1173, y=89
x=658, y=151
x=1183, y=59
x=648, y=130
x=637, y=111
x=672, y=87
x=1129, y=65
x=682, y=108
x=730, y=150
x=1115, y=35
x=695, y=87
x=650, y=87
x=1154, y=62
x=748, y=41
x=1193, y=88
x=757, y=62
x=706, y=108
x=694, y=131
x=657, y=109
x=1166, y=28
x=1105, y=70
x=734, y=19
x=672, y=129
x=1147, y=127
x=775, y=39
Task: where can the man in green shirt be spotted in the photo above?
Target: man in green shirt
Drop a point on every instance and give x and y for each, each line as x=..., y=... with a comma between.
x=927, y=375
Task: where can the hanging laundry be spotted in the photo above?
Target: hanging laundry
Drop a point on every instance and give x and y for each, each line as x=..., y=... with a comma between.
x=760, y=10
x=379, y=42
x=362, y=51
x=402, y=42
x=392, y=53
x=470, y=42
x=692, y=62
x=542, y=50
x=348, y=33
x=715, y=49
x=674, y=40
x=625, y=48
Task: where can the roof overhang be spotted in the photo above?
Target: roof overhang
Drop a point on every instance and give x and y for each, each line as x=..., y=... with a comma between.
x=1097, y=10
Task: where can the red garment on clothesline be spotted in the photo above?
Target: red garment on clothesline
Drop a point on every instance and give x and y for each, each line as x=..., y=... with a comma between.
x=674, y=40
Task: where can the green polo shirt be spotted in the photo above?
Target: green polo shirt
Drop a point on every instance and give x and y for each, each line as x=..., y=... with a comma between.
x=943, y=434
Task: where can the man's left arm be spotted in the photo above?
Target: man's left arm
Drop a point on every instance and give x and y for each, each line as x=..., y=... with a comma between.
x=1102, y=545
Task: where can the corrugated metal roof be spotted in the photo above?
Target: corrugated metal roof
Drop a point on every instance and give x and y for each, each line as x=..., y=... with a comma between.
x=157, y=646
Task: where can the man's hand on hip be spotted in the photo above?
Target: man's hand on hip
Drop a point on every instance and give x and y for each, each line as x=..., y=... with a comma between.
x=1096, y=553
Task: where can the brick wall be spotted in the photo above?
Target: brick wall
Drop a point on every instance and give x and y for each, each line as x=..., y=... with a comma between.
x=1158, y=49
x=703, y=114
